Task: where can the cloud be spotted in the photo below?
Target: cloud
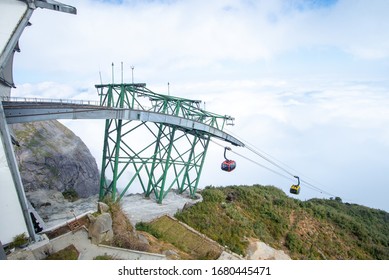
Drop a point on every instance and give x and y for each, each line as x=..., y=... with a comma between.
x=335, y=133
x=273, y=65
x=45, y=90
x=196, y=35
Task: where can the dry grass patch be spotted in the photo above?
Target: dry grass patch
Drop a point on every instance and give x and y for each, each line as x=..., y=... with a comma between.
x=124, y=233
x=187, y=240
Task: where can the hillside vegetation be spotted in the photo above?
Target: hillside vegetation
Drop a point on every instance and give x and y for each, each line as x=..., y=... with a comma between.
x=167, y=229
x=313, y=229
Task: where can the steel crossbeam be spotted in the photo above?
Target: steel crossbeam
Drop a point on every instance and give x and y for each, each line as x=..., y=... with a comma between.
x=155, y=156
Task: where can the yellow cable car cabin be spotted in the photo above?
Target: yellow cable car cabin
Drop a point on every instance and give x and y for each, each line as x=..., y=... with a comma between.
x=295, y=189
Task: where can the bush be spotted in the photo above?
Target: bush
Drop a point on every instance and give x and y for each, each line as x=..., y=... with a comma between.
x=213, y=195
x=293, y=242
x=105, y=257
x=70, y=194
x=20, y=240
x=141, y=226
x=68, y=253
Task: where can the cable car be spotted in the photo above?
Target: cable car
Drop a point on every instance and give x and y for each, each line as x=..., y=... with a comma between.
x=228, y=165
x=295, y=189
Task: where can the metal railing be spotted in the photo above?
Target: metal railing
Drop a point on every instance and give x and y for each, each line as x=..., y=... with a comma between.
x=61, y=101
x=49, y=100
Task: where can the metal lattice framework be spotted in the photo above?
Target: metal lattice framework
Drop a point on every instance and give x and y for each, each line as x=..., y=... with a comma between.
x=156, y=155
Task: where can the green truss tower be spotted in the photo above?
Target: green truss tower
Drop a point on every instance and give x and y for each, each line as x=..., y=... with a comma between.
x=161, y=146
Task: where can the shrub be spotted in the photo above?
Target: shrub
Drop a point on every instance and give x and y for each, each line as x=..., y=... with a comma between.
x=293, y=242
x=20, y=240
x=68, y=253
x=141, y=226
x=213, y=195
x=104, y=257
x=70, y=194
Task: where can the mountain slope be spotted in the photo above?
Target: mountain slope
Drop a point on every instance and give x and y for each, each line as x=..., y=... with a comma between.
x=314, y=229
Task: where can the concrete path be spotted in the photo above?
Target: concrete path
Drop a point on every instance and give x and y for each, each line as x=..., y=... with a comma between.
x=87, y=250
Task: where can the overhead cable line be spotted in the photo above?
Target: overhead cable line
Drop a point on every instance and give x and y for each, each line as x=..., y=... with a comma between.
x=273, y=162
x=260, y=153
x=253, y=161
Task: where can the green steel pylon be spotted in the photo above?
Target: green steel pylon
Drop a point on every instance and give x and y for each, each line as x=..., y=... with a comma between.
x=154, y=156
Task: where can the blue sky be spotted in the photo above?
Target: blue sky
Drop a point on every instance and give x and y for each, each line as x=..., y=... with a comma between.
x=307, y=81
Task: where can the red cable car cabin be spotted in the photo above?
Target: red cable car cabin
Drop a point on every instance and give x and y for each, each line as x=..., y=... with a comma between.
x=228, y=165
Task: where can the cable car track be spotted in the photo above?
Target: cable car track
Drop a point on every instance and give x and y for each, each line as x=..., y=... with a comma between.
x=294, y=189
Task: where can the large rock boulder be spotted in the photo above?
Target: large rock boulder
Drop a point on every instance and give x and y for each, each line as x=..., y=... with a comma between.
x=55, y=210
x=258, y=250
x=100, y=228
x=52, y=157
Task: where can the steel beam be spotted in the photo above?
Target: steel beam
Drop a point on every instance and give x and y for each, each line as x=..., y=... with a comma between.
x=153, y=140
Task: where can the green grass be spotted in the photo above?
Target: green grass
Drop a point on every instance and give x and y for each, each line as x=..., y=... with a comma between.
x=171, y=231
x=105, y=257
x=68, y=253
x=313, y=229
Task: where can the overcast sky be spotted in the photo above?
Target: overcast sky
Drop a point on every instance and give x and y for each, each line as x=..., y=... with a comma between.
x=307, y=81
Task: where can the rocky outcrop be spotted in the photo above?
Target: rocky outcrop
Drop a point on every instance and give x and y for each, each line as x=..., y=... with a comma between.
x=100, y=228
x=258, y=250
x=52, y=157
x=55, y=210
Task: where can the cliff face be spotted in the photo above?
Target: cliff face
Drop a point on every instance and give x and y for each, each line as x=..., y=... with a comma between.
x=52, y=157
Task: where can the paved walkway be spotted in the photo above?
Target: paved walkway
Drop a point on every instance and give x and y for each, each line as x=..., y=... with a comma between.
x=87, y=250
x=138, y=208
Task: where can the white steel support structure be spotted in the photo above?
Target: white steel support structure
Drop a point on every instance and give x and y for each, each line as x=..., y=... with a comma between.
x=14, y=17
